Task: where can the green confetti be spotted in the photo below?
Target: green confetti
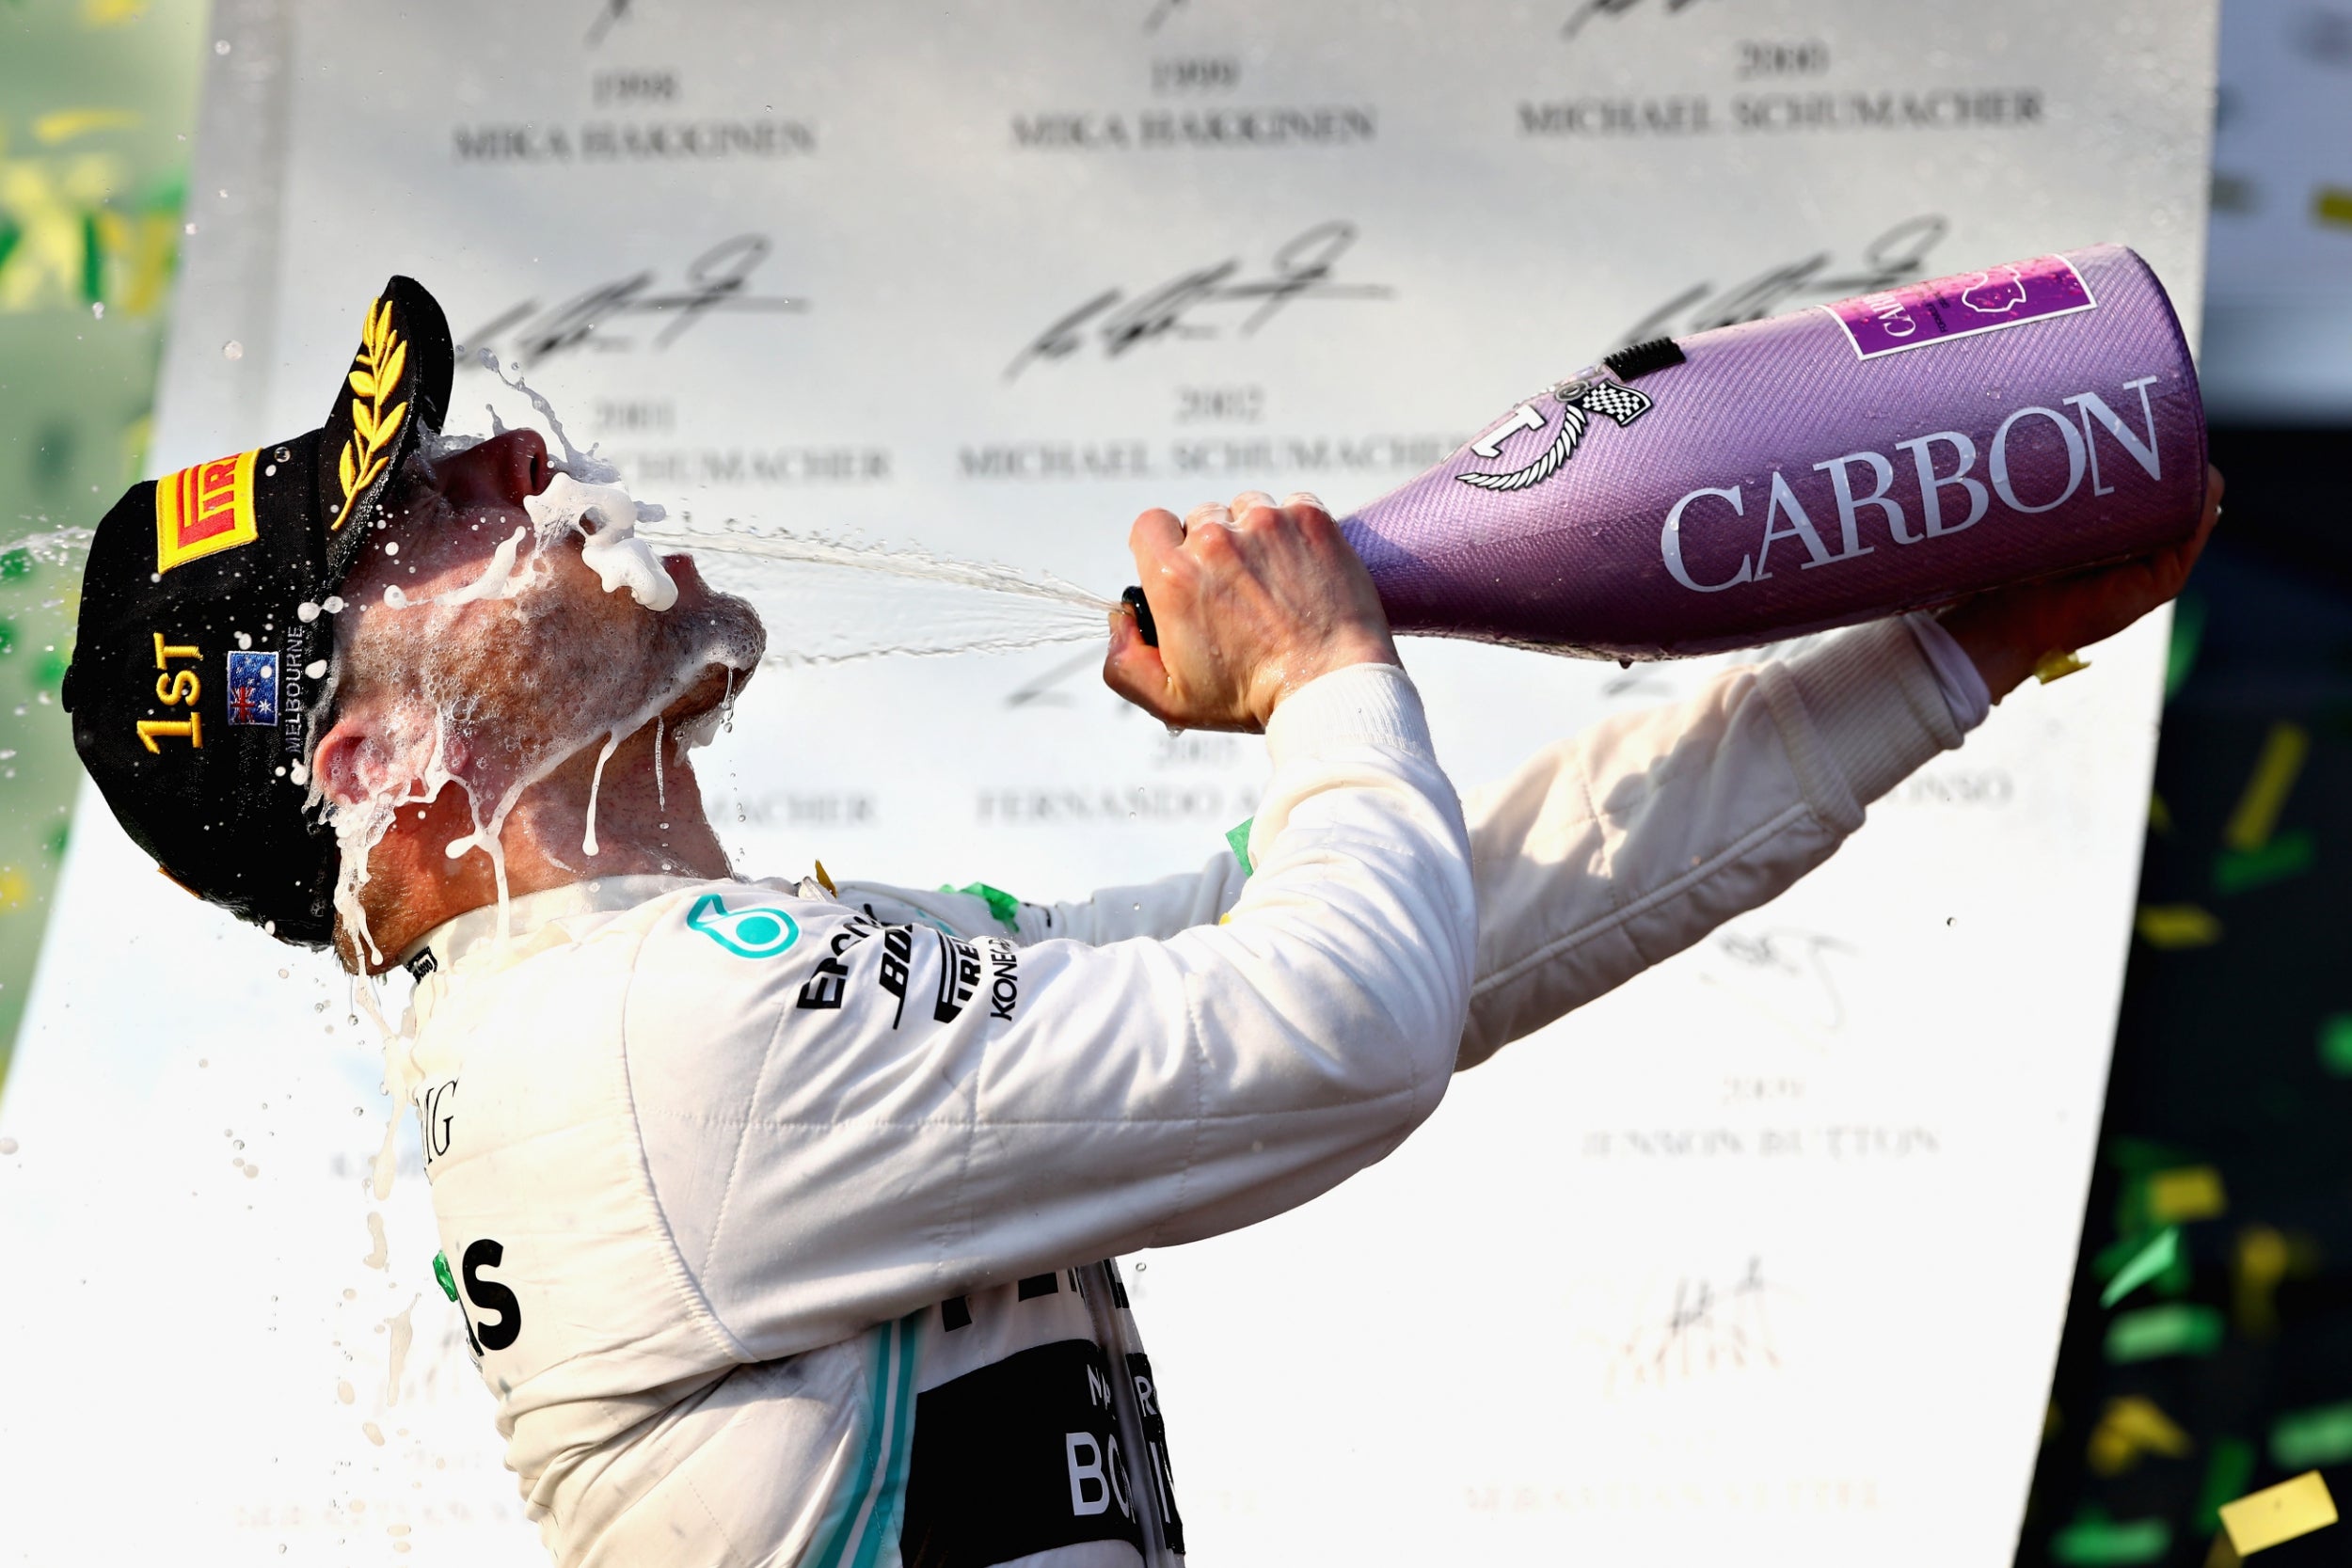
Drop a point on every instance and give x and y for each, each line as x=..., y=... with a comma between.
x=2305, y=1439
x=2335, y=1044
x=2189, y=631
x=93, y=262
x=2288, y=855
x=2180, y=1328
x=2226, y=1475
x=2142, y=1155
x=2093, y=1541
x=1238, y=837
x=15, y=564
x=440, y=1272
x=2158, y=1257
x=1003, y=905
x=9, y=235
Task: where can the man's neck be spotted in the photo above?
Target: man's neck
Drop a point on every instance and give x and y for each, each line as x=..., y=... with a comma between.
x=642, y=819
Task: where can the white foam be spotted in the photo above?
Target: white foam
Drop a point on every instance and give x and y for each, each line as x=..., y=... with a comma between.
x=611, y=550
x=496, y=580
x=588, y=841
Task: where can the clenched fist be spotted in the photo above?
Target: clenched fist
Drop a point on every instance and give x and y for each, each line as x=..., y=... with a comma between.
x=1251, y=601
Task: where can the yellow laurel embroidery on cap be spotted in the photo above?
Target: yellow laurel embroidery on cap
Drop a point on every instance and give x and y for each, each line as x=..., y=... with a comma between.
x=202, y=508
x=374, y=377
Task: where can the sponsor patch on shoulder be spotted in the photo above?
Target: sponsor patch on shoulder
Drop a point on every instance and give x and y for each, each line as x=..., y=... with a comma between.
x=758, y=933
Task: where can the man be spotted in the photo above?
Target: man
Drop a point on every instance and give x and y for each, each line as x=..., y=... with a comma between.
x=777, y=1212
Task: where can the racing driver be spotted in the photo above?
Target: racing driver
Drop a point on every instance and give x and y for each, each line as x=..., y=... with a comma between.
x=778, y=1213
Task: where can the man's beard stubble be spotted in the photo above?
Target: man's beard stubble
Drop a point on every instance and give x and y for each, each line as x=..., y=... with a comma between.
x=520, y=687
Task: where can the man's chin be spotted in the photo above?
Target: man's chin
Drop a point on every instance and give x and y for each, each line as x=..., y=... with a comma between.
x=713, y=688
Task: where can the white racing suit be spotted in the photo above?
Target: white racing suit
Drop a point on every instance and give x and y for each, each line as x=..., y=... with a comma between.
x=774, y=1214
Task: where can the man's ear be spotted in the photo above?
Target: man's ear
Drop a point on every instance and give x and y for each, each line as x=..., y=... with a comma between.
x=370, y=753
x=351, y=765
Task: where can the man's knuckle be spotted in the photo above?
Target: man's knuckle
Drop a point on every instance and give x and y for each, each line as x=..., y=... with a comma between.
x=1212, y=542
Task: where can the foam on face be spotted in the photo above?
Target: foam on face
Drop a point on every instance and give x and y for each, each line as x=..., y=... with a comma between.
x=609, y=518
x=586, y=497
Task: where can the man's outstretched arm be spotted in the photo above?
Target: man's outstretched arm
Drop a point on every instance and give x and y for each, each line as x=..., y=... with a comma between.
x=1616, y=848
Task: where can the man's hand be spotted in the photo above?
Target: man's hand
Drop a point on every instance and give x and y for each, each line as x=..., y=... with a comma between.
x=2008, y=630
x=1252, y=601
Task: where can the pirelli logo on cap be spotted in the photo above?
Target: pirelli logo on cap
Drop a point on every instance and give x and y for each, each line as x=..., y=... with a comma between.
x=204, y=509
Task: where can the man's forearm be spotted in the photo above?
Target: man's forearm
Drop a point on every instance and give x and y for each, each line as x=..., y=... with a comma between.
x=1611, y=851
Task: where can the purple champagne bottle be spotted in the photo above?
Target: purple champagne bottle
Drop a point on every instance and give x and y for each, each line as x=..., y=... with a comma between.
x=1848, y=462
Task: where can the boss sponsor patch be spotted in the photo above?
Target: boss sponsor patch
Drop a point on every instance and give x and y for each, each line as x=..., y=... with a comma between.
x=1160, y=1477
x=1018, y=1457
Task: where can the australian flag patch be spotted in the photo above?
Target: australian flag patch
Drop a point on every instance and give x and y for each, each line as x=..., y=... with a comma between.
x=252, y=689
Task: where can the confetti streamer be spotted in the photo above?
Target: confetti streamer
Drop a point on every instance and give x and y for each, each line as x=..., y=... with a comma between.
x=2257, y=815
x=2335, y=1044
x=2192, y=1192
x=2287, y=855
x=2280, y=1513
x=2173, y=927
x=2302, y=1439
x=2131, y=1427
x=2152, y=1259
x=2181, y=1329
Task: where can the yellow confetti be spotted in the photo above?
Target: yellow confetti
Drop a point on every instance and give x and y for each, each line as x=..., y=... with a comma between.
x=2282, y=754
x=2262, y=1263
x=2332, y=204
x=2159, y=814
x=65, y=124
x=2056, y=665
x=2280, y=1513
x=2175, y=926
x=2130, y=1427
x=2189, y=1192
x=824, y=881
x=14, y=889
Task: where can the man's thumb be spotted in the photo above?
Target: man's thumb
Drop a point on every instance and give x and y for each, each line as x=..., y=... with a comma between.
x=1133, y=666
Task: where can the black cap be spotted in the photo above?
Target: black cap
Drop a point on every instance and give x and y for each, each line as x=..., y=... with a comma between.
x=203, y=661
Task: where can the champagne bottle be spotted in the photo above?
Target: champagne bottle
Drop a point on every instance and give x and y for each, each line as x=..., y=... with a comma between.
x=1840, y=464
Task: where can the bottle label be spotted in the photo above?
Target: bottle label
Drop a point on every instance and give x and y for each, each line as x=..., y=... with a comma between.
x=1961, y=306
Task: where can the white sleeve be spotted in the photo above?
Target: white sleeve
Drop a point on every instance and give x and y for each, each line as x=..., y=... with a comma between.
x=921, y=1115
x=1956, y=675
x=1612, y=851
x=1605, y=853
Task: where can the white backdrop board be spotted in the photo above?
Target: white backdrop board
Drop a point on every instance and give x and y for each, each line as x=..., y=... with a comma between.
x=1770, y=1249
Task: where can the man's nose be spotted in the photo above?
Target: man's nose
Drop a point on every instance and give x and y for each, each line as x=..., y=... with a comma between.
x=500, y=472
